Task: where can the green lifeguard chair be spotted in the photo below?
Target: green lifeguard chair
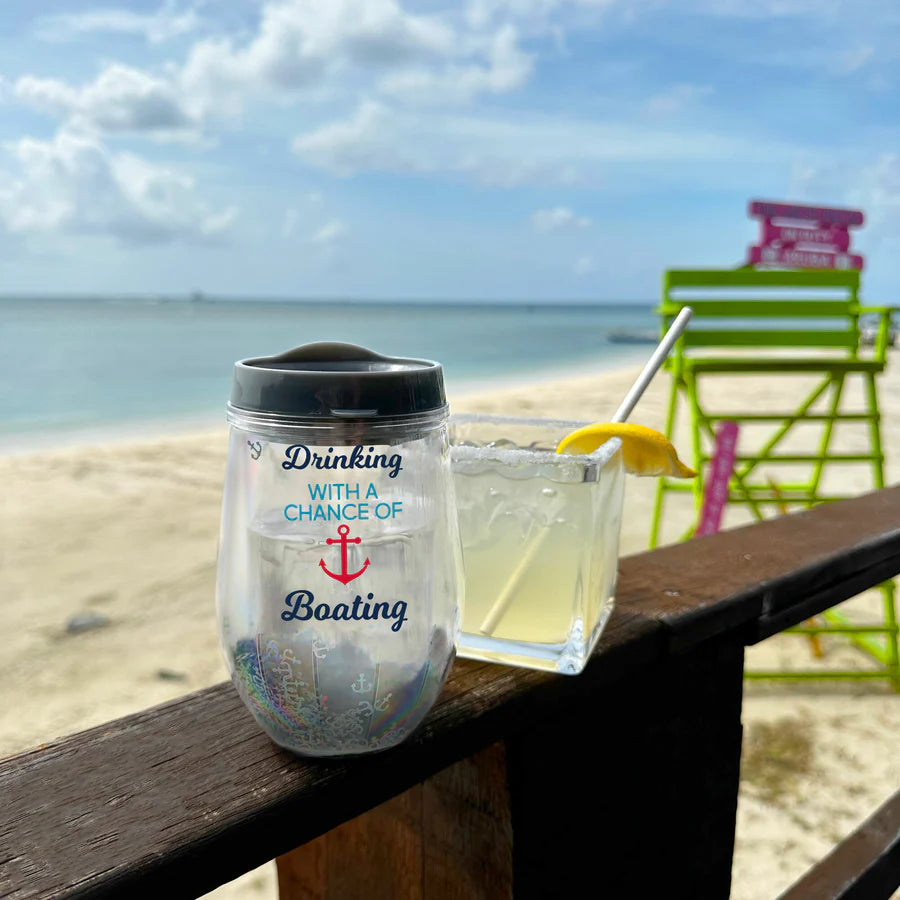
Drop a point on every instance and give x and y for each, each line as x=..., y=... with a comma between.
x=791, y=324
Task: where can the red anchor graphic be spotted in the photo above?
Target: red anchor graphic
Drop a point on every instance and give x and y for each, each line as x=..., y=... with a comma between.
x=345, y=577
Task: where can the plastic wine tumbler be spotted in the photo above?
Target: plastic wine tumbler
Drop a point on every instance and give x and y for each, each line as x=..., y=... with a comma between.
x=339, y=578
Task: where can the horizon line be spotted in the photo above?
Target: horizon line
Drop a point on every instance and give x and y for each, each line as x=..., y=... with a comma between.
x=200, y=298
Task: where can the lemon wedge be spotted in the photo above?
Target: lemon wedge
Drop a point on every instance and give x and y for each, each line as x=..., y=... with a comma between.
x=644, y=451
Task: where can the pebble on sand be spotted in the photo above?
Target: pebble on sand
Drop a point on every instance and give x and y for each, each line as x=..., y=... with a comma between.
x=86, y=621
x=171, y=675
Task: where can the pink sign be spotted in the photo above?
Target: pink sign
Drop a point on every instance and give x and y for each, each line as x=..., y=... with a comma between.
x=822, y=214
x=803, y=259
x=827, y=238
x=716, y=494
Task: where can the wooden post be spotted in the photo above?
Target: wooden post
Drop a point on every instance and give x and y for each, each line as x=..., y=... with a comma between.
x=449, y=837
x=636, y=795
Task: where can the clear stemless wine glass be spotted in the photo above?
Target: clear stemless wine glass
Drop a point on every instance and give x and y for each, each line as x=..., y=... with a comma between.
x=339, y=578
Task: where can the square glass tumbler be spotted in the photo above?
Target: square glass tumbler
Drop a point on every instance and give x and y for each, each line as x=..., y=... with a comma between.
x=540, y=534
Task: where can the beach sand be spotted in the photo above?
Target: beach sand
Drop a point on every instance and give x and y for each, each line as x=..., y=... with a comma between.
x=128, y=531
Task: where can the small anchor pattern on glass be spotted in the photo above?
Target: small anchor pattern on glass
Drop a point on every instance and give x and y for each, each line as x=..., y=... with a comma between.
x=281, y=689
x=320, y=648
x=255, y=449
x=362, y=685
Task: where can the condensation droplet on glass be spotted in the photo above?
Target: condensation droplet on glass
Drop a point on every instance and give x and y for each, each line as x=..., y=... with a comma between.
x=559, y=520
x=548, y=492
x=493, y=492
x=670, y=593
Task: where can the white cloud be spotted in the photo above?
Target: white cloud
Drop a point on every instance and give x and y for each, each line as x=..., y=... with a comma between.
x=559, y=218
x=121, y=99
x=770, y=9
x=584, y=265
x=73, y=185
x=871, y=185
x=481, y=12
x=290, y=222
x=505, y=67
x=298, y=221
x=676, y=98
x=362, y=142
x=163, y=24
x=329, y=233
x=854, y=59
x=508, y=150
x=302, y=44
x=300, y=48
x=215, y=224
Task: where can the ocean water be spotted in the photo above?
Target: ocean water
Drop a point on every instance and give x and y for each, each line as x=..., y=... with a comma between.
x=80, y=364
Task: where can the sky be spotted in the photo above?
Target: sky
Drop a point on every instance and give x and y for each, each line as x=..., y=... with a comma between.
x=477, y=149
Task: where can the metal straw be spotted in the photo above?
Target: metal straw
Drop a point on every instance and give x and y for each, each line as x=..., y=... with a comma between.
x=653, y=364
x=496, y=612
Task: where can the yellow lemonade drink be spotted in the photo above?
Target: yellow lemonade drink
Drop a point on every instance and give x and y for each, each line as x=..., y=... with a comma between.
x=540, y=537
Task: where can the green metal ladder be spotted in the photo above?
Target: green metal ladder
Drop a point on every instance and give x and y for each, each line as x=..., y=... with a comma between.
x=814, y=311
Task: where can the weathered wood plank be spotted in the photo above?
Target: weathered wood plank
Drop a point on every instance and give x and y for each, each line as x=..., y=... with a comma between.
x=864, y=866
x=181, y=798
x=449, y=838
x=468, y=837
x=377, y=855
x=771, y=574
x=176, y=800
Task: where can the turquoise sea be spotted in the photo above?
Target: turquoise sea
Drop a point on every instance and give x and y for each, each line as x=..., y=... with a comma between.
x=77, y=364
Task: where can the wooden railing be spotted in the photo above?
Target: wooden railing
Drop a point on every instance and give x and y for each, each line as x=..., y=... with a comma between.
x=621, y=782
x=864, y=866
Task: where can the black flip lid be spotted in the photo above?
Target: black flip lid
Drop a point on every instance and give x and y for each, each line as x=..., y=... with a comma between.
x=337, y=380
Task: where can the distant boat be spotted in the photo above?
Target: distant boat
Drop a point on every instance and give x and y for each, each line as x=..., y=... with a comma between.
x=868, y=334
x=632, y=337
